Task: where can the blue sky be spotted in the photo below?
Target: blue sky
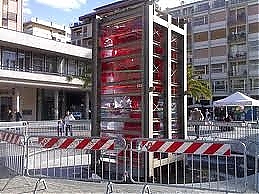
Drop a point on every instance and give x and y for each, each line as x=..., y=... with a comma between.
x=65, y=12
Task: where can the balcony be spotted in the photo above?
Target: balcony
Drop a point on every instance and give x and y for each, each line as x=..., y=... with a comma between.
x=237, y=57
x=240, y=73
x=237, y=37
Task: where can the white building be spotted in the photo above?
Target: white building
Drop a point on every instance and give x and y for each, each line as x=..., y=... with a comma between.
x=47, y=30
x=33, y=76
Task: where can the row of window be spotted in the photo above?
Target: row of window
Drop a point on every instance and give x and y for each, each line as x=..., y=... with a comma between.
x=20, y=60
x=236, y=68
x=242, y=84
x=199, y=8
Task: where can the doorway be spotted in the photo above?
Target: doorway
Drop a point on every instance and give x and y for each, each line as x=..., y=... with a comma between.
x=5, y=104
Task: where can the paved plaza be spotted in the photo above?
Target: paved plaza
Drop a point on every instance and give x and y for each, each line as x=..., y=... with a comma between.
x=19, y=184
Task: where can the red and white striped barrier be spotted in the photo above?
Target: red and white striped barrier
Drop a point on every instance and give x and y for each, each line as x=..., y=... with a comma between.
x=181, y=147
x=78, y=143
x=12, y=138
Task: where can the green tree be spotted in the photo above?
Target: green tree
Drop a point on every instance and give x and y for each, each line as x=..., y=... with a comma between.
x=85, y=77
x=197, y=88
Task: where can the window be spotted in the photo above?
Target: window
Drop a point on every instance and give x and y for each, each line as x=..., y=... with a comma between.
x=71, y=67
x=220, y=85
x=218, y=34
x=217, y=68
x=256, y=83
x=51, y=64
x=202, y=36
x=237, y=84
x=203, y=7
x=21, y=60
x=4, y=14
x=253, y=46
x=218, y=3
x=199, y=70
x=81, y=67
x=253, y=27
x=241, y=15
x=4, y=23
x=78, y=43
x=28, y=63
x=237, y=50
x=85, y=30
x=38, y=63
x=9, y=60
x=12, y=16
x=201, y=20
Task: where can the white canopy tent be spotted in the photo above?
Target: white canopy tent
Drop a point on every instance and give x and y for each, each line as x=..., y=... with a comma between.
x=237, y=99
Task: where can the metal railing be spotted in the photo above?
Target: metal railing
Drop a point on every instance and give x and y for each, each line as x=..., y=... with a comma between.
x=223, y=130
x=51, y=128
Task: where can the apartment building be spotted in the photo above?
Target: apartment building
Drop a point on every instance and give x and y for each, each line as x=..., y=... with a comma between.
x=223, y=43
x=81, y=32
x=46, y=29
x=11, y=14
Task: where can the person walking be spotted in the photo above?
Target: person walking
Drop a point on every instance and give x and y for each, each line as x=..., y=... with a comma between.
x=207, y=115
x=10, y=115
x=60, y=127
x=197, y=116
x=18, y=116
x=67, y=123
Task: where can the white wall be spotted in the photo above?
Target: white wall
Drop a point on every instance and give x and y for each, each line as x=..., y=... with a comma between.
x=28, y=102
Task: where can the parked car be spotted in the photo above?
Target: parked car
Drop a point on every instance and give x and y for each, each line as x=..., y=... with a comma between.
x=77, y=115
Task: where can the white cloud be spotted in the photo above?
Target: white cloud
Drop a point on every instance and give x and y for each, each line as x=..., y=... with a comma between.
x=66, y=5
x=26, y=9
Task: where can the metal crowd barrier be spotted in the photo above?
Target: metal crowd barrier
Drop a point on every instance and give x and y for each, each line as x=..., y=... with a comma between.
x=51, y=128
x=208, y=165
x=224, y=130
x=252, y=164
x=76, y=158
x=13, y=150
x=197, y=164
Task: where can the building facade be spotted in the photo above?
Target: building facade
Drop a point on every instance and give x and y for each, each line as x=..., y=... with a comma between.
x=223, y=44
x=34, y=76
x=11, y=14
x=81, y=32
x=47, y=30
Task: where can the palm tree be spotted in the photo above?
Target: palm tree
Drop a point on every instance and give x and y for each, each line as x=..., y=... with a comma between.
x=197, y=88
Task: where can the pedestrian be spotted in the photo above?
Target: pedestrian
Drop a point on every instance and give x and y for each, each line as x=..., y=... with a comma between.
x=10, y=115
x=67, y=123
x=197, y=116
x=18, y=116
x=207, y=115
x=229, y=119
x=60, y=127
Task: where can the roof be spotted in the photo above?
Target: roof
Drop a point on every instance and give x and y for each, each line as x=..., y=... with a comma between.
x=112, y=6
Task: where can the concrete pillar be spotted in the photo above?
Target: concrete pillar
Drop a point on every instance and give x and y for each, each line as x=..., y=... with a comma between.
x=16, y=99
x=39, y=106
x=87, y=105
x=56, y=104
